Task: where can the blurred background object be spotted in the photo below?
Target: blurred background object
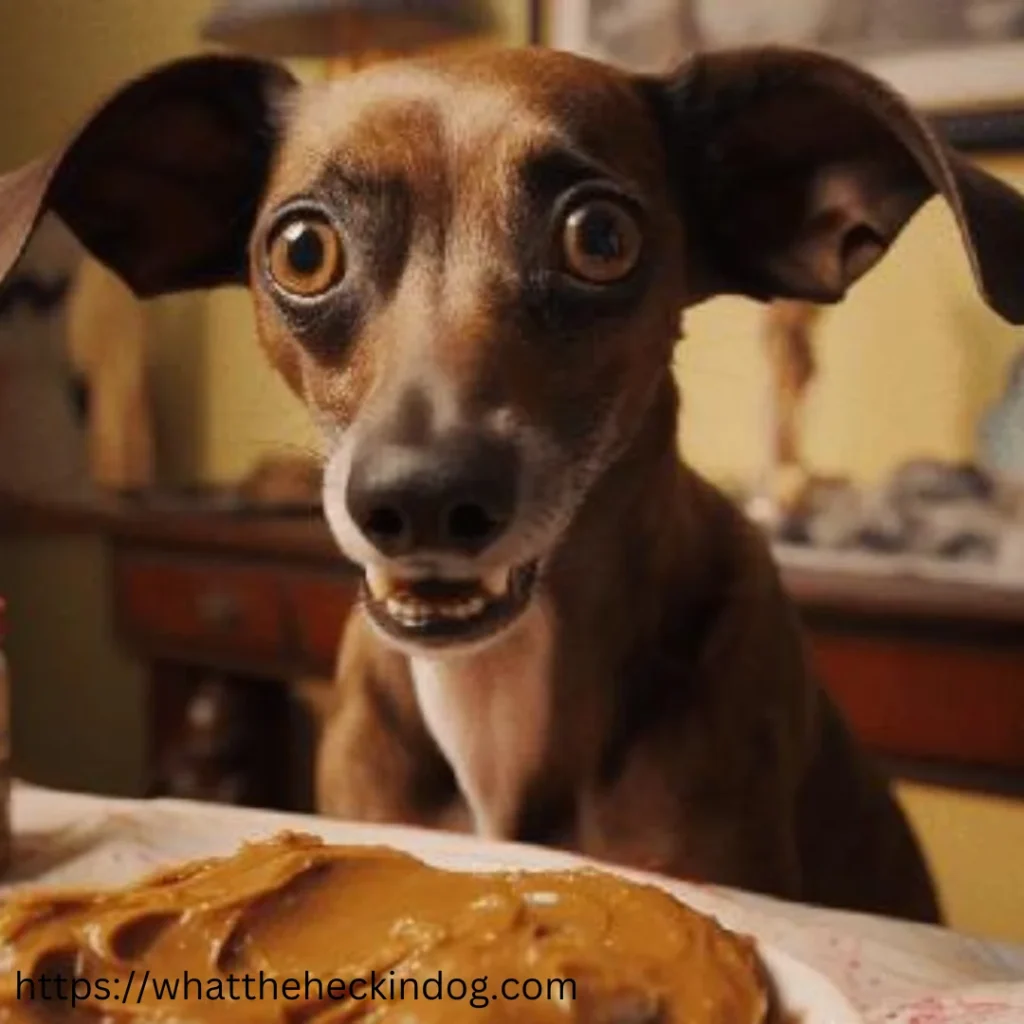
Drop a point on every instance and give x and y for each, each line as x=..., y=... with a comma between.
x=283, y=481
x=788, y=335
x=1001, y=433
x=955, y=54
x=43, y=419
x=354, y=31
x=799, y=22
x=106, y=340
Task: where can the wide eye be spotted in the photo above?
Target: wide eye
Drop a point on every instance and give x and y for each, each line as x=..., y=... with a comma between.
x=305, y=255
x=601, y=241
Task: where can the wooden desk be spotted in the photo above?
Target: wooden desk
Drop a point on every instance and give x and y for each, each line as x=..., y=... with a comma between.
x=225, y=609
x=237, y=619
x=931, y=675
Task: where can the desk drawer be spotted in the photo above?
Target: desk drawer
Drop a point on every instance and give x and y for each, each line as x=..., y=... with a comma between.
x=946, y=701
x=197, y=606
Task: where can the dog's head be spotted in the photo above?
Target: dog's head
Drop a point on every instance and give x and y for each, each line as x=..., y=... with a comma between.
x=472, y=269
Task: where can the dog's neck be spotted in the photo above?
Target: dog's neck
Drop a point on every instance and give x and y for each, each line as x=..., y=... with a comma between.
x=490, y=713
x=504, y=714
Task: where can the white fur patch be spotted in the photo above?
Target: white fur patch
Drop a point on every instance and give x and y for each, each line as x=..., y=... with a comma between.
x=489, y=710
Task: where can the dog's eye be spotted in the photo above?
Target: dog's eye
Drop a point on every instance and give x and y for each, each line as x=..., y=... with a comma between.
x=601, y=242
x=306, y=257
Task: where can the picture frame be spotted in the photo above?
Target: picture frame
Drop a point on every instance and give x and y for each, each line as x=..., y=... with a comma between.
x=960, y=62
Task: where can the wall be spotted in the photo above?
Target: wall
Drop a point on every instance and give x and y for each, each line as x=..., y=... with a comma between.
x=877, y=402
x=908, y=362
x=974, y=845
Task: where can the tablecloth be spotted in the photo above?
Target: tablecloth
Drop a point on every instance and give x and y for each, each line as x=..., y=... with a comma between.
x=892, y=972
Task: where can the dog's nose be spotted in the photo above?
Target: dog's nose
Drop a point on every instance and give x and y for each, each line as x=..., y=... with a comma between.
x=455, y=496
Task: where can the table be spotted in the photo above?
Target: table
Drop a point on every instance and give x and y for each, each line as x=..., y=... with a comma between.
x=238, y=618
x=893, y=973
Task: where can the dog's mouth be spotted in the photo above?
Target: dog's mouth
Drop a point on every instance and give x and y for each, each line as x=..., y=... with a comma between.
x=441, y=611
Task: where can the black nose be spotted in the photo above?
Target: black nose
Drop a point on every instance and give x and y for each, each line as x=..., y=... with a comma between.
x=455, y=495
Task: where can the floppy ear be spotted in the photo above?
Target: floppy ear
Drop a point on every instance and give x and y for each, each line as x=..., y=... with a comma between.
x=162, y=182
x=796, y=171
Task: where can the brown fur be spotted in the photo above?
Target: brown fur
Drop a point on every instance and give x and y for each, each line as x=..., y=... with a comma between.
x=683, y=734
x=684, y=729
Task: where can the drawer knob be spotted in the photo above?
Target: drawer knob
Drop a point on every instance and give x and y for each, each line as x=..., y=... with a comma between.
x=219, y=609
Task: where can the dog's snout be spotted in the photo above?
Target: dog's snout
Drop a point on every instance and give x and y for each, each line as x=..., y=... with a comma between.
x=455, y=497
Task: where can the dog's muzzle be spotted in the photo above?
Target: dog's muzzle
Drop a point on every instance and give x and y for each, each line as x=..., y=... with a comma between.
x=433, y=515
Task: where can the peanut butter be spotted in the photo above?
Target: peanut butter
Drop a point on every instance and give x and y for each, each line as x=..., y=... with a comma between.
x=300, y=914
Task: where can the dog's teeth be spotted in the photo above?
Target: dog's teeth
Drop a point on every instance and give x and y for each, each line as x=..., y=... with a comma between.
x=410, y=612
x=407, y=611
x=403, y=611
x=496, y=582
x=467, y=608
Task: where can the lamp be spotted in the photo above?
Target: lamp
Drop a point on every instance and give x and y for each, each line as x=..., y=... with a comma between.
x=344, y=30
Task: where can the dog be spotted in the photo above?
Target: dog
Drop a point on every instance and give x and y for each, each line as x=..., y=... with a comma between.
x=472, y=268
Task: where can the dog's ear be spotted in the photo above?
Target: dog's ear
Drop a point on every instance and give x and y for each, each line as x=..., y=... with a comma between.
x=796, y=171
x=163, y=181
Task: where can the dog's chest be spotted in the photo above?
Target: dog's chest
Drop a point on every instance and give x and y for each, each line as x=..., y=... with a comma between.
x=489, y=713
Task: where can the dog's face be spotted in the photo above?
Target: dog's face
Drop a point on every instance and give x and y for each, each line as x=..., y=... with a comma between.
x=472, y=269
x=475, y=287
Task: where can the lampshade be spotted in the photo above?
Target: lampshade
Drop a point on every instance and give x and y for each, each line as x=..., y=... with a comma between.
x=343, y=28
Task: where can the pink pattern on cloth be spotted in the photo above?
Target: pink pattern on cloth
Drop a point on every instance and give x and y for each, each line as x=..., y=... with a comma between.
x=955, y=1009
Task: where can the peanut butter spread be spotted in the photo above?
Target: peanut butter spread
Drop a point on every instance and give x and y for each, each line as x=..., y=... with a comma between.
x=296, y=931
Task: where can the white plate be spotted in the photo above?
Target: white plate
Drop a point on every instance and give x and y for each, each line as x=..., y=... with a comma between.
x=175, y=830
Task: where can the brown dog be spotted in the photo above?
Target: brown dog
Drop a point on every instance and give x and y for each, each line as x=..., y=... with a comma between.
x=472, y=270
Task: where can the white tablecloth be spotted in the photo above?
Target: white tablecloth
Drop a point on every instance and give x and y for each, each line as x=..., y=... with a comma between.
x=894, y=973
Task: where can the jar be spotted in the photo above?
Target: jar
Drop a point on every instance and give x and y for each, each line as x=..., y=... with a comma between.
x=5, y=748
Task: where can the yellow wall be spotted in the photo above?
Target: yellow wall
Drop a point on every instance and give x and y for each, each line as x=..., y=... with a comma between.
x=975, y=846
x=908, y=363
